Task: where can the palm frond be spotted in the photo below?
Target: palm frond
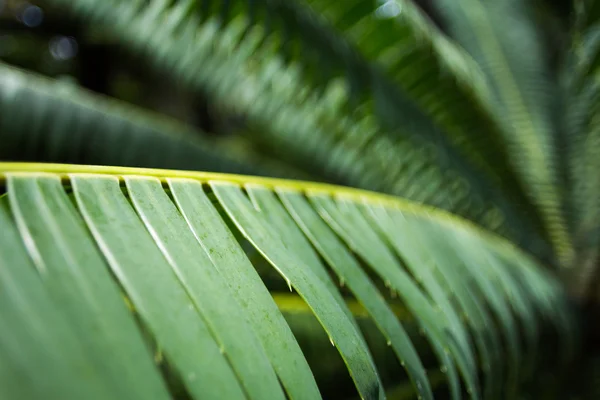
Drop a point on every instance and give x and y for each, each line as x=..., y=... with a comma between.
x=408, y=52
x=225, y=49
x=77, y=240
x=53, y=121
x=526, y=97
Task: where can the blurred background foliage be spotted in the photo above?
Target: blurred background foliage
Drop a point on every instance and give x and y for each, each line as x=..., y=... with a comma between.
x=372, y=94
x=388, y=106
x=484, y=108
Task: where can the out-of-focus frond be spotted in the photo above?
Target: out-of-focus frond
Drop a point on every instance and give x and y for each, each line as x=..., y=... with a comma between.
x=226, y=49
x=502, y=37
x=422, y=81
x=582, y=86
x=53, y=121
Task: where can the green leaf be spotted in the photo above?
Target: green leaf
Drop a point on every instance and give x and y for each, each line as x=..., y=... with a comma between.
x=245, y=284
x=317, y=126
x=343, y=333
x=525, y=97
x=205, y=286
x=583, y=129
x=351, y=274
x=397, y=38
x=293, y=238
x=101, y=267
x=42, y=352
x=438, y=273
x=55, y=234
x=53, y=121
x=173, y=317
x=363, y=240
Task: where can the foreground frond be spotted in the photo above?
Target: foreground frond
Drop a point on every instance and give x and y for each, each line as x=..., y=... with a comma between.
x=100, y=264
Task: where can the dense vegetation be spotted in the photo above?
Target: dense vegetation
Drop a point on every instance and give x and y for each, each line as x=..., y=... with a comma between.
x=459, y=260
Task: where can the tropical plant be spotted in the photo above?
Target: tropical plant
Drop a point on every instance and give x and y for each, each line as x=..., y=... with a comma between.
x=204, y=307
x=452, y=281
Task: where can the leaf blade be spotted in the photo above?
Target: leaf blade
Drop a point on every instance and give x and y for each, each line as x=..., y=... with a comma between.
x=88, y=297
x=246, y=285
x=205, y=286
x=342, y=262
x=183, y=334
x=341, y=330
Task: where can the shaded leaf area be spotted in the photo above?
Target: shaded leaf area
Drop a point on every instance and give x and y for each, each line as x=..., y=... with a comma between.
x=233, y=51
x=128, y=283
x=52, y=121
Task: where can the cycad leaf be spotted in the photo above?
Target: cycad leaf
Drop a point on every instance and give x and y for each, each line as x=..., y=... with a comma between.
x=59, y=241
x=435, y=74
x=481, y=269
x=343, y=333
x=205, y=286
x=433, y=269
x=351, y=274
x=70, y=232
x=293, y=238
x=583, y=127
x=37, y=341
x=246, y=286
x=351, y=226
x=174, y=317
